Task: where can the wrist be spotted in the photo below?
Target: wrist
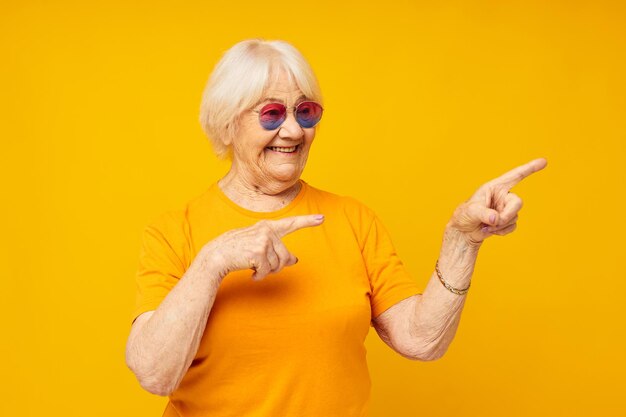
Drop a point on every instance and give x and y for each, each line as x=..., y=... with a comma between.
x=455, y=237
x=457, y=257
x=211, y=264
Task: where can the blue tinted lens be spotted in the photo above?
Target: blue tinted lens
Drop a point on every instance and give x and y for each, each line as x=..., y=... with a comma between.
x=308, y=114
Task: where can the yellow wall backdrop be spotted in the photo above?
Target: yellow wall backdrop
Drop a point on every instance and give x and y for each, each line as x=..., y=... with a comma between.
x=425, y=101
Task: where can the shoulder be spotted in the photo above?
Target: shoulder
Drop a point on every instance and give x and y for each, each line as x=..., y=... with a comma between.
x=168, y=220
x=170, y=227
x=167, y=236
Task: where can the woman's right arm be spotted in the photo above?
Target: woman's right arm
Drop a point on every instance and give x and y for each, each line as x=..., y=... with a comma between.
x=162, y=343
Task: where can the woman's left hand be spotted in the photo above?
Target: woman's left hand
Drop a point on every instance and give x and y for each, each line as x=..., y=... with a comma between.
x=493, y=209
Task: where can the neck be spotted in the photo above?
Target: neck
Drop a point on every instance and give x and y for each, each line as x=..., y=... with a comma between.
x=258, y=195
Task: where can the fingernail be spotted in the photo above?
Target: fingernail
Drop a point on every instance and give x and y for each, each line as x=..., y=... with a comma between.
x=296, y=259
x=485, y=229
x=319, y=217
x=492, y=218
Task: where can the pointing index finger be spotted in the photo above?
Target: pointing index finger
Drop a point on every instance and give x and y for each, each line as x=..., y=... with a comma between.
x=288, y=225
x=514, y=176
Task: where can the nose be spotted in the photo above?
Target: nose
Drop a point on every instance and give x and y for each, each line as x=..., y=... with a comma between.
x=290, y=129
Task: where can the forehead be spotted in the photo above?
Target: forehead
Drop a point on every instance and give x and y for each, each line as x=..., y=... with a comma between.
x=281, y=85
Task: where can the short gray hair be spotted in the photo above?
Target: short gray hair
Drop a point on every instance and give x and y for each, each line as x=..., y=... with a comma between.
x=239, y=80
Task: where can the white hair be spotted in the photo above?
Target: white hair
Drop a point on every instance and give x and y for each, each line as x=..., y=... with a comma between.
x=239, y=80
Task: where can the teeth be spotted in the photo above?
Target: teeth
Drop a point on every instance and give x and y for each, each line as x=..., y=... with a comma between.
x=285, y=150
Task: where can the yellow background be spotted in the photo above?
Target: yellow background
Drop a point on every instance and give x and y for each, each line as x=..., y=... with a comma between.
x=425, y=101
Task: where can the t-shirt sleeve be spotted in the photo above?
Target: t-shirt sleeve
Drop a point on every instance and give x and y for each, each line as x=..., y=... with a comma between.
x=162, y=261
x=389, y=278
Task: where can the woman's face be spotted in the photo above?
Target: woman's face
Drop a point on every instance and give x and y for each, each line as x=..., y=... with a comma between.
x=252, y=156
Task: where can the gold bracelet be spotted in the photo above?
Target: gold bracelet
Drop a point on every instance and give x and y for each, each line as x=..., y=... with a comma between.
x=448, y=286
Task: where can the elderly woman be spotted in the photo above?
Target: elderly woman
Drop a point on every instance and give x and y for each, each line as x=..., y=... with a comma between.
x=287, y=338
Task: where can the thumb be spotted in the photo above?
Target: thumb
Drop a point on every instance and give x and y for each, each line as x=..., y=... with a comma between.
x=490, y=217
x=486, y=215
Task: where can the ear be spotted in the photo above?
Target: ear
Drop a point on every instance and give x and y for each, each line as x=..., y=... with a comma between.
x=227, y=139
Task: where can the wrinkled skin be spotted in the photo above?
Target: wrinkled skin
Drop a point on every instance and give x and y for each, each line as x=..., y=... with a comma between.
x=492, y=210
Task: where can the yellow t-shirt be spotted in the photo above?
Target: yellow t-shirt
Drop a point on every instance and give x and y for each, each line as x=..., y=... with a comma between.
x=291, y=344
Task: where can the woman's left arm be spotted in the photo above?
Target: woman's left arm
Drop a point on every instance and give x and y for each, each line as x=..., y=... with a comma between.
x=423, y=326
x=436, y=314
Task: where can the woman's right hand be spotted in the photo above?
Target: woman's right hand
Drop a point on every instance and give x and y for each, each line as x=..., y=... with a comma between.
x=258, y=247
x=164, y=342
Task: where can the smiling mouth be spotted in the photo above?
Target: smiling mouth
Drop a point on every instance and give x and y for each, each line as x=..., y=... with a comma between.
x=282, y=149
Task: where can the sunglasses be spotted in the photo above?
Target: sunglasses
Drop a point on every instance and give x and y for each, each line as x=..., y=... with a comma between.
x=307, y=114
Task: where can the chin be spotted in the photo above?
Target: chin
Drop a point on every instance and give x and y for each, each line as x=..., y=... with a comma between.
x=287, y=175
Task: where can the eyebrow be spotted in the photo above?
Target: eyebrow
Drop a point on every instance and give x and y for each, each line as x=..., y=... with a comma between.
x=273, y=100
